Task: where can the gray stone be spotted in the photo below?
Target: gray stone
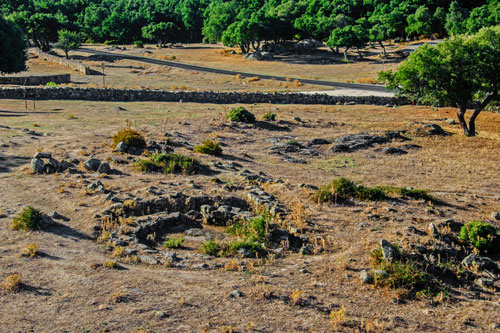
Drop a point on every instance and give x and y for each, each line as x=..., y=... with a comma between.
x=172, y=256
x=392, y=151
x=148, y=260
x=315, y=142
x=305, y=250
x=160, y=314
x=104, y=168
x=473, y=261
x=236, y=294
x=54, y=215
x=121, y=147
x=37, y=165
x=389, y=252
x=495, y=216
x=365, y=277
x=451, y=121
x=92, y=164
x=201, y=266
x=432, y=230
x=244, y=252
x=42, y=154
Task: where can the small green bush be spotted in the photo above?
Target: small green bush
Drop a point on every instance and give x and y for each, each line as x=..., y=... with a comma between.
x=480, y=234
x=269, y=116
x=174, y=243
x=253, y=231
x=131, y=137
x=216, y=249
x=405, y=192
x=342, y=189
x=169, y=163
x=209, y=147
x=51, y=84
x=29, y=219
x=138, y=44
x=399, y=275
x=110, y=42
x=241, y=115
x=293, y=142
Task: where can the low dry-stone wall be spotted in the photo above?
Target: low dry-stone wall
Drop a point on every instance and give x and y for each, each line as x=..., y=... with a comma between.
x=62, y=61
x=37, y=80
x=128, y=95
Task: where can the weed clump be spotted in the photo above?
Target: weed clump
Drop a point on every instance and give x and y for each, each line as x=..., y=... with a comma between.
x=269, y=116
x=240, y=114
x=29, y=219
x=209, y=147
x=110, y=264
x=31, y=250
x=342, y=189
x=174, y=243
x=403, y=274
x=169, y=163
x=129, y=136
x=12, y=283
x=252, y=236
x=481, y=235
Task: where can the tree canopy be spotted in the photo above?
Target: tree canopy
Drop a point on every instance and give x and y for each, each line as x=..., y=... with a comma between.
x=460, y=72
x=12, y=48
x=248, y=22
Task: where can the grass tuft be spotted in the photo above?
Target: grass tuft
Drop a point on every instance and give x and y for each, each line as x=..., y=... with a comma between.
x=209, y=147
x=174, y=243
x=131, y=137
x=169, y=163
x=483, y=236
x=12, y=283
x=29, y=219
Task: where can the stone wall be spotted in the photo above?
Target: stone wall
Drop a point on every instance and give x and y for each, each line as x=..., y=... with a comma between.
x=62, y=61
x=36, y=80
x=128, y=95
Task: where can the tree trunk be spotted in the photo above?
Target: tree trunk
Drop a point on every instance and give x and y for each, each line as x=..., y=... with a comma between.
x=345, y=54
x=383, y=48
x=359, y=53
x=461, y=118
x=477, y=111
x=67, y=54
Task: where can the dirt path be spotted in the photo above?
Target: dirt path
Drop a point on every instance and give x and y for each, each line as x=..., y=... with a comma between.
x=343, y=85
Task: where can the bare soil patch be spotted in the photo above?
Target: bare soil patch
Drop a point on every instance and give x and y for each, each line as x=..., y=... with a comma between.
x=68, y=286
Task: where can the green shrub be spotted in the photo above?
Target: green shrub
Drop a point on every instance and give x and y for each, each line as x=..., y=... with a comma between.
x=212, y=248
x=29, y=219
x=216, y=249
x=293, y=142
x=342, y=189
x=209, y=147
x=51, y=84
x=254, y=230
x=269, y=116
x=110, y=42
x=131, y=137
x=138, y=44
x=405, y=192
x=169, y=163
x=480, y=234
x=399, y=275
x=174, y=243
x=241, y=115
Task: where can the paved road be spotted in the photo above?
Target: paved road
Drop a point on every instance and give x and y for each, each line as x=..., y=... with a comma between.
x=341, y=85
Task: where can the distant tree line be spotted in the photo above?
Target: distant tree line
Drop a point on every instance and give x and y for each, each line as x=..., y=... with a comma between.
x=248, y=23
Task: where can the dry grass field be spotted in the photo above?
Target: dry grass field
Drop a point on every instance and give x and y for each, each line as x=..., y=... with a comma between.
x=71, y=286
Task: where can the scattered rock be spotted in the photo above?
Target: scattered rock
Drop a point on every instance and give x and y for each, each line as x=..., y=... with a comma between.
x=389, y=252
x=160, y=314
x=392, y=151
x=451, y=121
x=354, y=142
x=365, y=277
x=315, y=142
x=92, y=164
x=148, y=260
x=484, y=283
x=121, y=147
x=495, y=216
x=432, y=230
x=236, y=294
x=37, y=165
x=473, y=261
x=42, y=154
x=428, y=130
x=104, y=168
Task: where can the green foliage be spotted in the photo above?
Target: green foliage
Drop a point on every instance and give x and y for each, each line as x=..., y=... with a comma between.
x=29, y=219
x=174, y=243
x=138, y=44
x=481, y=235
x=253, y=231
x=342, y=189
x=68, y=41
x=162, y=32
x=217, y=249
x=12, y=48
x=209, y=147
x=420, y=23
x=413, y=193
x=461, y=72
x=240, y=114
x=51, y=84
x=131, y=137
x=269, y=116
x=293, y=142
x=169, y=163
